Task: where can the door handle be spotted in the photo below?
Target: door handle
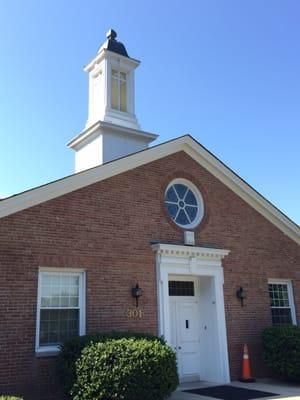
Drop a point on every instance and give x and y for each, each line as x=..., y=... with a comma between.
x=179, y=347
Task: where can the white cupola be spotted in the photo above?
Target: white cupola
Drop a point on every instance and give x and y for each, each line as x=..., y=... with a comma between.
x=112, y=130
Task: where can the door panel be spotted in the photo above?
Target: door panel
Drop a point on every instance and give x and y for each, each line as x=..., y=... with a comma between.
x=185, y=335
x=188, y=327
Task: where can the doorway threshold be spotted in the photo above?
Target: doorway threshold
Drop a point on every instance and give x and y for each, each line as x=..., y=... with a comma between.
x=195, y=385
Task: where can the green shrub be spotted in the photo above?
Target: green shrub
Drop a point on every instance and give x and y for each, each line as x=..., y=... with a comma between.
x=282, y=350
x=126, y=369
x=71, y=351
x=9, y=398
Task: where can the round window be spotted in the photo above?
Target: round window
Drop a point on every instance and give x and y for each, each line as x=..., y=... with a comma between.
x=184, y=203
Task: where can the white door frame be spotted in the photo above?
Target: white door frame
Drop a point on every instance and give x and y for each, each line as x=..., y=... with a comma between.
x=196, y=261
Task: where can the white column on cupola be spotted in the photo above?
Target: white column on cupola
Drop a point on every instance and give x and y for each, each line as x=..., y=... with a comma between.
x=112, y=129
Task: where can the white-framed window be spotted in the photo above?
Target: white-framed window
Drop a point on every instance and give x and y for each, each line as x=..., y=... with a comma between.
x=282, y=301
x=184, y=203
x=118, y=90
x=60, y=307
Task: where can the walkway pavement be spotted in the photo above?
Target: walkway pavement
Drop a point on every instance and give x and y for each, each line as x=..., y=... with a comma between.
x=285, y=390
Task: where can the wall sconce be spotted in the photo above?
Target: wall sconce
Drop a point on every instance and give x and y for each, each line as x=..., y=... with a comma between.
x=241, y=295
x=136, y=293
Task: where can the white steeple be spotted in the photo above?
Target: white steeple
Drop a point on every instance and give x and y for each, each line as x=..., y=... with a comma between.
x=112, y=129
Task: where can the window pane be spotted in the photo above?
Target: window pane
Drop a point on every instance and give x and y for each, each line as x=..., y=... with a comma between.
x=64, y=283
x=280, y=305
x=279, y=295
x=182, y=205
x=192, y=212
x=57, y=289
x=181, y=190
x=55, y=280
x=181, y=288
x=74, y=280
x=64, y=301
x=74, y=290
x=114, y=94
x=190, y=198
x=281, y=316
x=171, y=195
x=46, y=302
x=56, y=326
x=123, y=102
x=54, y=302
x=46, y=279
x=182, y=218
x=172, y=210
x=73, y=302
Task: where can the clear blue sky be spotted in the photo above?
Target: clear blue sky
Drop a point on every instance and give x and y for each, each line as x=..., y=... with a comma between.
x=227, y=72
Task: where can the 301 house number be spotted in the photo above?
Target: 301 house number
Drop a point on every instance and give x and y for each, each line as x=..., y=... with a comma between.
x=134, y=313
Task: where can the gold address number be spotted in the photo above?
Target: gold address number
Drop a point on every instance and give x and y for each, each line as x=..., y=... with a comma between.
x=134, y=313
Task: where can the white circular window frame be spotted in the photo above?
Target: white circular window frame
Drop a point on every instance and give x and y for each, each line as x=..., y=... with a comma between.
x=199, y=198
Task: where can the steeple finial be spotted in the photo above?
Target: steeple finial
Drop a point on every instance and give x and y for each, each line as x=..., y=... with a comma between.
x=113, y=45
x=111, y=34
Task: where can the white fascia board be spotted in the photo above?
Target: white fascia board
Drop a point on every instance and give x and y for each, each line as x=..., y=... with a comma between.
x=101, y=55
x=129, y=131
x=186, y=143
x=133, y=62
x=82, y=136
x=95, y=60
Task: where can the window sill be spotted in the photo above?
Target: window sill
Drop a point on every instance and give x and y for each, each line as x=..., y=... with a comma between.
x=48, y=353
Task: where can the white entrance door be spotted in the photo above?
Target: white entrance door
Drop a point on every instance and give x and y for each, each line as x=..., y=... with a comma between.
x=185, y=335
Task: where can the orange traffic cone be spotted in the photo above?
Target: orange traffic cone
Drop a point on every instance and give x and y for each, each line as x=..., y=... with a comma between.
x=246, y=370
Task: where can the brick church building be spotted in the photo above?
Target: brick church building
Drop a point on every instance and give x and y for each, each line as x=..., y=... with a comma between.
x=170, y=218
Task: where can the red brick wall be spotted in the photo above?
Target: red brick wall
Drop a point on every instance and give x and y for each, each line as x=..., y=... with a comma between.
x=106, y=229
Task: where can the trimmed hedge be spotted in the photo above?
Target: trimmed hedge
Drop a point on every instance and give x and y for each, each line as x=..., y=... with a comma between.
x=9, y=398
x=126, y=369
x=71, y=350
x=282, y=350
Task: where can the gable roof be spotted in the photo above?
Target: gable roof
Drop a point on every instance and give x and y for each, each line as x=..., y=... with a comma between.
x=185, y=143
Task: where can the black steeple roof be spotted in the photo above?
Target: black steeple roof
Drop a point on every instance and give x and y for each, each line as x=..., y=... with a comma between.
x=113, y=45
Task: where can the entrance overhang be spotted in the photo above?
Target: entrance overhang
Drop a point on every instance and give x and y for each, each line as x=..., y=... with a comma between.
x=173, y=260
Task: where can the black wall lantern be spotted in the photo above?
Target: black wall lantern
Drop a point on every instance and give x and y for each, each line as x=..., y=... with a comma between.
x=136, y=293
x=241, y=295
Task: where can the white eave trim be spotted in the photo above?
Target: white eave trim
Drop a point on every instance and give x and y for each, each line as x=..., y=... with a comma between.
x=180, y=251
x=187, y=144
x=102, y=53
x=86, y=133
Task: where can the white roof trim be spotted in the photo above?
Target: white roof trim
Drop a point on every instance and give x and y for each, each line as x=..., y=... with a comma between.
x=104, y=52
x=77, y=181
x=86, y=133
